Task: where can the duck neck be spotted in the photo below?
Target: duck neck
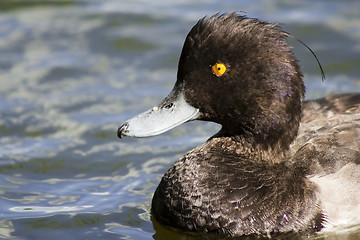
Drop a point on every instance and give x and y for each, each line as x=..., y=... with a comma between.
x=248, y=148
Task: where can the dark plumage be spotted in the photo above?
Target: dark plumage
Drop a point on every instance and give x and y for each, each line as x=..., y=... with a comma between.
x=263, y=80
x=254, y=176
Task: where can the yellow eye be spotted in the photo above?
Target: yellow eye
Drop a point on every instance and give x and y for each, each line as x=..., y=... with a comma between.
x=219, y=69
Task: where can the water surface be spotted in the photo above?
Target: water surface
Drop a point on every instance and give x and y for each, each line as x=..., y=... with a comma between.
x=72, y=71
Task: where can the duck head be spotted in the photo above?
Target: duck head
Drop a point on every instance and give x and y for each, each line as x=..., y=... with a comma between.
x=236, y=71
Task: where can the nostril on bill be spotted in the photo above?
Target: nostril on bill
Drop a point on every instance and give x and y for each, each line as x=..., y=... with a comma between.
x=169, y=106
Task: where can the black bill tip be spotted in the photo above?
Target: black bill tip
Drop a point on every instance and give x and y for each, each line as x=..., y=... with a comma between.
x=122, y=130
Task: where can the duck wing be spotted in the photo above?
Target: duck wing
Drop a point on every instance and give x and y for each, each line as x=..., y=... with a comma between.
x=328, y=148
x=329, y=134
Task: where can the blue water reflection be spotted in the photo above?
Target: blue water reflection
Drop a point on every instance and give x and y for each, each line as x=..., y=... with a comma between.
x=72, y=71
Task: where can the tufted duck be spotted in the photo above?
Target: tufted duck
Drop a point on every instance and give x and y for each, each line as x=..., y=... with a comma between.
x=278, y=164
